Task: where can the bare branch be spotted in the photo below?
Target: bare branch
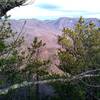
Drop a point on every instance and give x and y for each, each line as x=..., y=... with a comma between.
x=17, y=38
x=77, y=77
x=89, y=85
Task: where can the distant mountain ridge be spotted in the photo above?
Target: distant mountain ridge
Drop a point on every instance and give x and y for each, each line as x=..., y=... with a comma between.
x=48, y=30
x=59, y=23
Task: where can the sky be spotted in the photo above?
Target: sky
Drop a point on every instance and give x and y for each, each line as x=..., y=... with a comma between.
x=52, y=9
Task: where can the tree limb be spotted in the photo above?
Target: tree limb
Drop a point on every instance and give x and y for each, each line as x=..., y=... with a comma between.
x=77, y=77
x=6, y=5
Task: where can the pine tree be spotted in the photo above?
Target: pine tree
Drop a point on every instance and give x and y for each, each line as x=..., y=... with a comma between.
x=18, y=64
x=80, y=48
x=10, y=58
x=80, y=53
x=35, y=66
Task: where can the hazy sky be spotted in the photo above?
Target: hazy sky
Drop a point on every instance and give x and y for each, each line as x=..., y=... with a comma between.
x=50, y=9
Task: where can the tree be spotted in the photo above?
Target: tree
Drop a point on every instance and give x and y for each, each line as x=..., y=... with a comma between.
x=18, y=64
x=80, y=54
x=35, y=66
x=6, y=5
x=10, y=58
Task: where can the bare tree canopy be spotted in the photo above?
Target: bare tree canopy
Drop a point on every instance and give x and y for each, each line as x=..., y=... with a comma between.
x=6, y=5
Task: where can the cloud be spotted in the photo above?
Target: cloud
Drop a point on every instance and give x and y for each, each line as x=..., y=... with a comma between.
x=49, y=9
x=47, y=6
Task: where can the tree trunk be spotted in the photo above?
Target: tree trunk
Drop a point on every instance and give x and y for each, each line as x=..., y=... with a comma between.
x=37, y=88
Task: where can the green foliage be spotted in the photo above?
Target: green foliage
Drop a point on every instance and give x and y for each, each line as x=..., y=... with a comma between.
x=34, y=63
x=2, y=46
x=10, y=58
x=16, y=63
x=68, y=91
x=80, y=54
x=83, y=50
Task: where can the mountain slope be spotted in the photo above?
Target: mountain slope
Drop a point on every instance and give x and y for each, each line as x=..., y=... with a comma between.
x=47, y=30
